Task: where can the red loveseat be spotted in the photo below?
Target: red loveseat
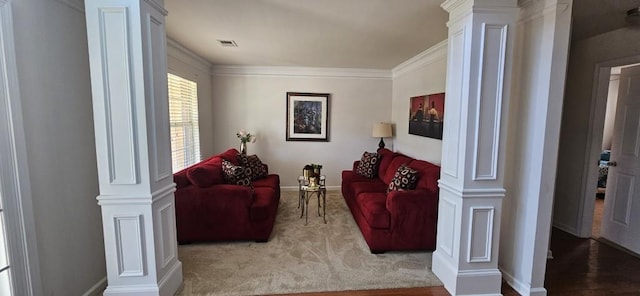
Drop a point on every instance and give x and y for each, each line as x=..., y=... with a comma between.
x=207, y=209
x=398, y=220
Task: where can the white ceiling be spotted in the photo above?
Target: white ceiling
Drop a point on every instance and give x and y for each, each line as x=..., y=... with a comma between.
x=373, y=34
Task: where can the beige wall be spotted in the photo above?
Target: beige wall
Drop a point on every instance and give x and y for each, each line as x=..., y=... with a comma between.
x=53, y=68
x=257, y=103
x=426, y=74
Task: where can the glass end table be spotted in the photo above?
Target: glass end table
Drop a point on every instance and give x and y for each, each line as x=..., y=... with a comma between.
x=306, y=191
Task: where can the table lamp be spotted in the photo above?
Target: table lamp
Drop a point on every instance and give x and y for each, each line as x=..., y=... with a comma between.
x=382, y=130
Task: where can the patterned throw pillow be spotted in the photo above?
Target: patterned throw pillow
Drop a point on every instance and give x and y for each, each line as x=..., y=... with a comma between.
x=368, y=165
x=404, y=179
x=234, y=174
x=253, y=167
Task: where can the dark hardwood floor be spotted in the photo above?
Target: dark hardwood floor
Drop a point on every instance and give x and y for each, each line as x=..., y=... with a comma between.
x=580, y=267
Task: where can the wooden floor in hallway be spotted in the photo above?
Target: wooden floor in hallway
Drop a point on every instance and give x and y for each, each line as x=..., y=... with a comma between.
x=580, y=267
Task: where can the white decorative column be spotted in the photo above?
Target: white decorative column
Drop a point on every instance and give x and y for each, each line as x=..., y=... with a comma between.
x=472, y=178
x=127, y=54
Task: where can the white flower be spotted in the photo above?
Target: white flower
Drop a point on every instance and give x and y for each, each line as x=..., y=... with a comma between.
x=246, y=137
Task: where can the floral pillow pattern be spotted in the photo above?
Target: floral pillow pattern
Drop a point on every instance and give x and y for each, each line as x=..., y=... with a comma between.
x=234, y=174
x=368, y=165
x=253, y=167
x=405, y=178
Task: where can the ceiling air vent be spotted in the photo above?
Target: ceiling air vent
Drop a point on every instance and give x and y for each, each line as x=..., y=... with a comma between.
x=228, y=43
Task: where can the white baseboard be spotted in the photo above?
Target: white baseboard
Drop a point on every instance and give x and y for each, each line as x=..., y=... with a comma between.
x=172, y=281
x=167, y=286
x=97, y=289
x=521, y=287
x=466, y=282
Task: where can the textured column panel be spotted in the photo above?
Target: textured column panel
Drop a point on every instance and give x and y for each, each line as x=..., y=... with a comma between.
x=480, y=234
x=118, y=96
x=491, y=83
x=129, y=245
x=157, y=98
x=167, y=252
x=453, y=112
x=446, y=231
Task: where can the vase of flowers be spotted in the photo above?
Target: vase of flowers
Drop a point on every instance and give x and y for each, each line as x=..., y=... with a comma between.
x=245, y=138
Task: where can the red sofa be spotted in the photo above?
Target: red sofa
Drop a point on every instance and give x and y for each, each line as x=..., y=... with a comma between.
x=398, y=220
x=207, y=209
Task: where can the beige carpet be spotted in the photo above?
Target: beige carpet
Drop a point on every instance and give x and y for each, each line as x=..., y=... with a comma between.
x=298, y=258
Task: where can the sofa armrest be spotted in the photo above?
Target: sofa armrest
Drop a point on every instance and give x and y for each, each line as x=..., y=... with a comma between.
x=229, y=195
x=410, y=208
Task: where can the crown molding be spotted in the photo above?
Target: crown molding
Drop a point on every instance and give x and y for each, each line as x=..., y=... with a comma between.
x=75, y=4
x=434, y=53
x=534, y=9
x=185, y=55
x=221, y=70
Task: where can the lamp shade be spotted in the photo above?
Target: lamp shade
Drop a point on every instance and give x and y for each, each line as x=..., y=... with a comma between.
x=382, y=130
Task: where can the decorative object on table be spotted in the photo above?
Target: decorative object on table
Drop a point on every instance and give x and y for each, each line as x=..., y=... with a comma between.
x=312, y=182
x=307, y=188
x=245, y=137
x=382, y=130
x=307, y=117
x=311, y=170
x=426, y=115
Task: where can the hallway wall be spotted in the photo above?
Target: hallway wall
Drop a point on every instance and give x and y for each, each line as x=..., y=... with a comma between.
x=53, y=73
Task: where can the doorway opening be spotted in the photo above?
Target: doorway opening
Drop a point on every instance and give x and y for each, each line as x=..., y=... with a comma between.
x=613, y=134
x=605, y=151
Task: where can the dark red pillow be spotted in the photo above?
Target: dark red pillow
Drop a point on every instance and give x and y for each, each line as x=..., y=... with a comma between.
x=181, y=180
x=205, y=175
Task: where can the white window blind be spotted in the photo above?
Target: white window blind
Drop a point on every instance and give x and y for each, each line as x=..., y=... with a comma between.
x=183, y=116
x=5, y=276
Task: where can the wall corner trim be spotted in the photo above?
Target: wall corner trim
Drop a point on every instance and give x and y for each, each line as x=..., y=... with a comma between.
x=98, y=288
x=432, y=54
x=75, y=4
x=318, y=72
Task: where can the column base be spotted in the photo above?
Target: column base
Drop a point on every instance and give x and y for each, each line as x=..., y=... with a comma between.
x=167, y=286
x=466, y=282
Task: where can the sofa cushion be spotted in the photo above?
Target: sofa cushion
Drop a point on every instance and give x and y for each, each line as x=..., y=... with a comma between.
x=230, y=155
x=386, y=156
x=428, y=174
x=365, y=187
x=373, y=206
x=234, y=174
x=404, y=179
x=181, y=180
x=368, y=165
x=205, y=175
x=253, y=167
x=397, y=161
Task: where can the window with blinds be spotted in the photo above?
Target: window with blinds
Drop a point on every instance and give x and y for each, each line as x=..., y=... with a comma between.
x=5, y=276
x=183, y=116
